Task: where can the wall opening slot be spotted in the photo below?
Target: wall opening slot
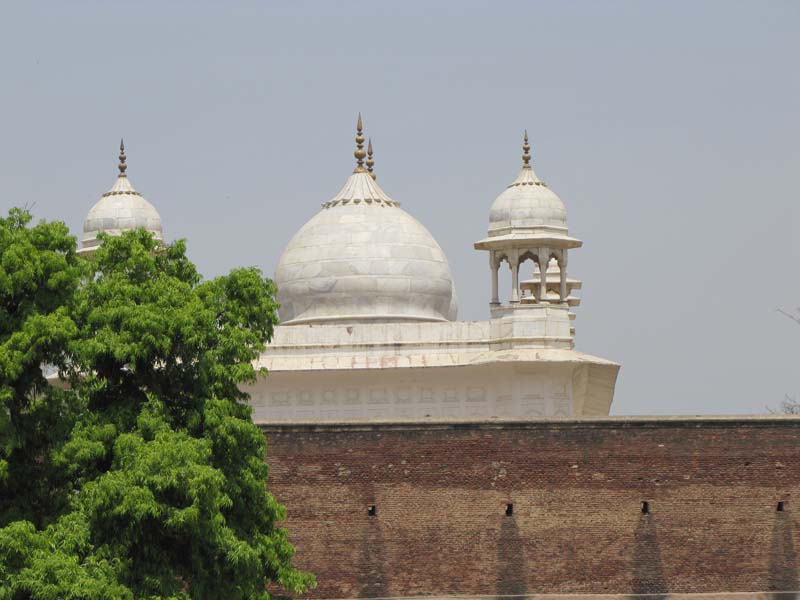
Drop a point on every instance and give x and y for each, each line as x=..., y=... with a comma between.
x=509, y=510
x=645, y=508
x=779, y=508
x=372, y=511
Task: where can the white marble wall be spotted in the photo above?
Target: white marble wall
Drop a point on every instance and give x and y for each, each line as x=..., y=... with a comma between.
x=518, y=365
x=480, y=392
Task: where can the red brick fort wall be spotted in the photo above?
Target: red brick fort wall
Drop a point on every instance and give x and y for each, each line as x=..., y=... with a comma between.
x=441, y=493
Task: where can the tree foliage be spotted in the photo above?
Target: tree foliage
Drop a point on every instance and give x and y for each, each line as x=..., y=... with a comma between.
x=789, y=406
x=146, y=477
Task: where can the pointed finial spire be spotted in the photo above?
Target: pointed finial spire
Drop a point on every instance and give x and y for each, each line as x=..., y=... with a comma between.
x=526, y=152
x=370, y=160
x=359, y=153
x=122, y=166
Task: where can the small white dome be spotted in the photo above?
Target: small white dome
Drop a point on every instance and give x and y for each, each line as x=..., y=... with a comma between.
x=364, y=259
x=120, y=209
x=527, y=204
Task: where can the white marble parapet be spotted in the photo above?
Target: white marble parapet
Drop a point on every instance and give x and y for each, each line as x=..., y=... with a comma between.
x=520, y=364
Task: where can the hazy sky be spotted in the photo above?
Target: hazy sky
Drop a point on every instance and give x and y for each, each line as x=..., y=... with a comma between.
x=669, y=129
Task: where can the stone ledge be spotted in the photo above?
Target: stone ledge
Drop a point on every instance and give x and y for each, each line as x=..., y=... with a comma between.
x=612, y=422
x=788, y=595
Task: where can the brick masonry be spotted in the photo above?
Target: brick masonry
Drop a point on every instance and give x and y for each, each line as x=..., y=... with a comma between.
x=441, y=492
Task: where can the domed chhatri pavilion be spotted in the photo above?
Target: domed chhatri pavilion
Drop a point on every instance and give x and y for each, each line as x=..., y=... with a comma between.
x=120, y=209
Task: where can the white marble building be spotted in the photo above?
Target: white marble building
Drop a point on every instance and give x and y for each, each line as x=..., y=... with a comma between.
x=368, y=314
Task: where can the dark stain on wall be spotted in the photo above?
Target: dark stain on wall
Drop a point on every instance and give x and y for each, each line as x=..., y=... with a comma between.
x=373, y=580
x=783, y=575
x=512, y=568
x=648, y=570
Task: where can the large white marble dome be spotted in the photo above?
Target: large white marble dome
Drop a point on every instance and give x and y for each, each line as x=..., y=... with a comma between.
x=362, y=258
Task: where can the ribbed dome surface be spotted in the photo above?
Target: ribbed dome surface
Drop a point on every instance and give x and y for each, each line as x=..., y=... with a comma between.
x=364, y=259
x=120, y=209
x=527, y=204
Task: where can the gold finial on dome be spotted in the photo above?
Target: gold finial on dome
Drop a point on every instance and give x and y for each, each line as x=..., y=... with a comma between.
x=359, y=153
x=526, y=152
x=370, y=160
x=122, y=166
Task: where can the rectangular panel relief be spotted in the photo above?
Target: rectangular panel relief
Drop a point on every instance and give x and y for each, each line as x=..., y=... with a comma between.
x=280, y=398
x=258, y=399
x=502, y=390
x=530, y=395
x=377, y=401
x=329, y=403
x=403, y=398
x=543, y=395
x=427, y=407
x=304, y=406
x=560, y=396
x=433, y=394
x=352, y=404
x=305, y=398
x=476, y=405
x=450, y=402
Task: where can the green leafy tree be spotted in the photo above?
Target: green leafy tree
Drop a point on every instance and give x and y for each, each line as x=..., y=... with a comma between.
x=156, y=479
x=39, y=275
